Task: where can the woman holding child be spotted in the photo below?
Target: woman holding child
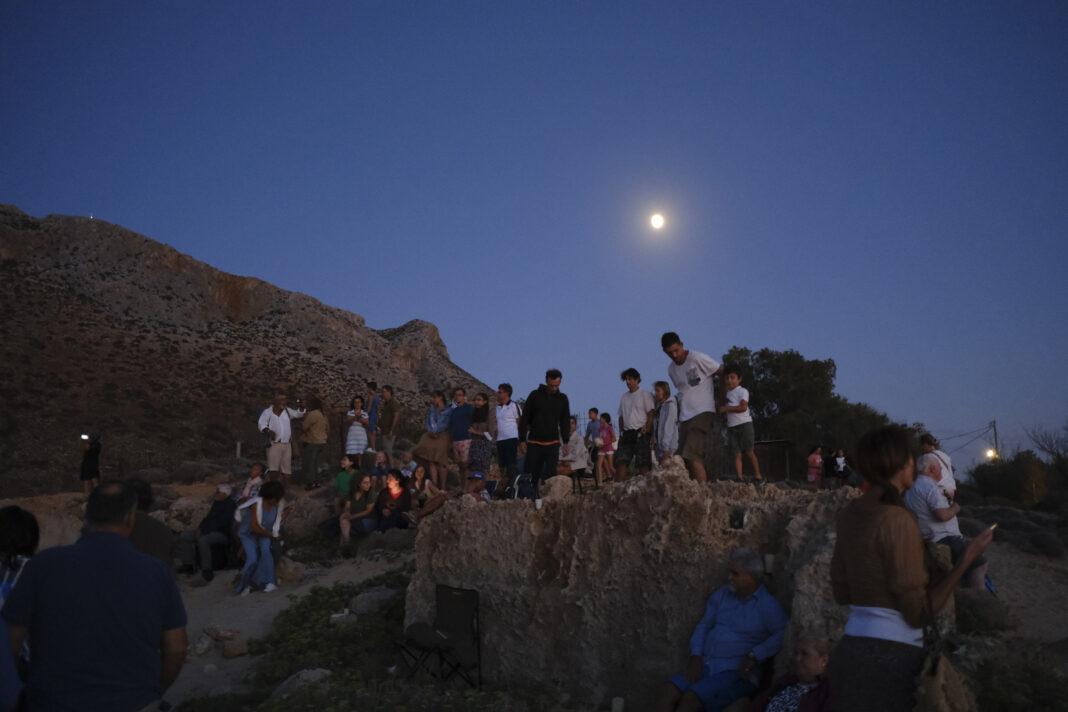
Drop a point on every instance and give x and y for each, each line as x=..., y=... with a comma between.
x=261, y=522
x=878, y=570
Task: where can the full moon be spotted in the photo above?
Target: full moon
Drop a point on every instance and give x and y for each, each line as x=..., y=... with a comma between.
x=657, y=221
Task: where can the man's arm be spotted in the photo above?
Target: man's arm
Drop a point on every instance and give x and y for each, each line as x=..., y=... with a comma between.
x=775, y=622
x=265, y=419
x=565, y=424
x=172, y=649
x=393, y=425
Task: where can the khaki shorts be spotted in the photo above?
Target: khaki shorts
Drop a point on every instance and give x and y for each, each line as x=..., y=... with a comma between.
x=387, y=443
x=280, y=457
x=741, y=438
x=693, y=436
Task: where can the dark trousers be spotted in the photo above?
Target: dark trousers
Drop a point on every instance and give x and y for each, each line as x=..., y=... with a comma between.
x=541, y=461
x=310, y=462
x=507, y=454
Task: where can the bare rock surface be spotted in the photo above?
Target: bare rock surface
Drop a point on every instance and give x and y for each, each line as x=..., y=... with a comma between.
x=598, y=595
x=298, y=680
x=171, y=359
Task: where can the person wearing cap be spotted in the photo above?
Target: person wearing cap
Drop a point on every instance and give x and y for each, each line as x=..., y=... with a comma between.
x=214, y=529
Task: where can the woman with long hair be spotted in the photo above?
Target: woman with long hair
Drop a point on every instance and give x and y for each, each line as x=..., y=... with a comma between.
x=878, y=570
x=359, y=510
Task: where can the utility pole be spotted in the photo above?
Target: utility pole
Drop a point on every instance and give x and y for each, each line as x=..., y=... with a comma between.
x=997, y=450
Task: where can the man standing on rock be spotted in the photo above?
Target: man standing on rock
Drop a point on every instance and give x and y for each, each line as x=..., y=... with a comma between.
x=388, y=419
x=544, y=424
x=635, y=420
x=313, y=439
x=275, y=423
x=692, y=373
x=106, y=622
x=460, y=423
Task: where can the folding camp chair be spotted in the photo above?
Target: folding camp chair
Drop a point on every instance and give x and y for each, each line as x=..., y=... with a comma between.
x=453, y=640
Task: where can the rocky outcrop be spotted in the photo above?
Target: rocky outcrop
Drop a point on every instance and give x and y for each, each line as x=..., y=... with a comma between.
x=598, y=595
x=170, y=360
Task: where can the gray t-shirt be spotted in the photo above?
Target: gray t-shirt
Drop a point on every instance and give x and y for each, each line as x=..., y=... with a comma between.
x=925, y=497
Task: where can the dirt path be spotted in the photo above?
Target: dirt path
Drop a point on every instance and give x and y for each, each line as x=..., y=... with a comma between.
x=1035, y=588
x=215, y=605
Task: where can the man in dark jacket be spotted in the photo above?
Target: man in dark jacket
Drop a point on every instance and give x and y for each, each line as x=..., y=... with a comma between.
x=214, y=529
x=543, y=427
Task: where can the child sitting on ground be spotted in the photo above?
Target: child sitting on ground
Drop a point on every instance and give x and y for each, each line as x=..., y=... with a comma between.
x=739, y=423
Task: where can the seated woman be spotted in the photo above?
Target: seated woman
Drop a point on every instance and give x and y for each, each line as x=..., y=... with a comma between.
x=807, y=689
x=393, y=502
x=359, y=510
x=878, y=570
x=422, y=488
x=261, y=521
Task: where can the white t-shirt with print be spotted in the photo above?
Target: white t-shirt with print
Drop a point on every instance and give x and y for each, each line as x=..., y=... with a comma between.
x=735, y=396
x=693, y=381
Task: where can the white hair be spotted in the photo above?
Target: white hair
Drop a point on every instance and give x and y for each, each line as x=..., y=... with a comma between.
x=750, y=561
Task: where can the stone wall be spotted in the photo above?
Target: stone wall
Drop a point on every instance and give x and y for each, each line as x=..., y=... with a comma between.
x=598, y=595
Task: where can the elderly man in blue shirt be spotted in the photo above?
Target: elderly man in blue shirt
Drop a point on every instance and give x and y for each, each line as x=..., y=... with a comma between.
x=743, y=626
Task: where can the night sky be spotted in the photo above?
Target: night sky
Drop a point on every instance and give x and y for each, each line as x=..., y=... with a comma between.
x=881, y=184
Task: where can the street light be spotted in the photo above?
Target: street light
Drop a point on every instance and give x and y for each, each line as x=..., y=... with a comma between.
x=991, y=454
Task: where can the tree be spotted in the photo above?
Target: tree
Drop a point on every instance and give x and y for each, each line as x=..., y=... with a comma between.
x=792, y=398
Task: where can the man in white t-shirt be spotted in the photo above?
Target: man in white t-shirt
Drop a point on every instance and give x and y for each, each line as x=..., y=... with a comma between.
x=508, y=414
x=937, y=519
x=931, y=451
x=275, y=424
x=740, y=434
x=635, y=426
x=692, y=373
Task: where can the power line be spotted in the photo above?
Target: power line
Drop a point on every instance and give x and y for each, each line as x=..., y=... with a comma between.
x=970, y=432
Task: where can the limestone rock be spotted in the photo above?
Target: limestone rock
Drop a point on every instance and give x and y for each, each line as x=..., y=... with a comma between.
x=556, y=489
x=221, y=634
x=557, y=584
x=234, y=648
x=203, y=645
x=305, y=514
x=288, y=571
x=298, y=680
x=371, y=600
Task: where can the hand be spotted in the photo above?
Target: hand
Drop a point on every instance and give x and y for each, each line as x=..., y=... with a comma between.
x=694, y=668
x=270, y=433
x=522, y=447
x=721, y=409
x=565, y=450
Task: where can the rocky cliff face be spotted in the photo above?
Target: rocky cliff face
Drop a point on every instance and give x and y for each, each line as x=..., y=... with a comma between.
x=169, y=359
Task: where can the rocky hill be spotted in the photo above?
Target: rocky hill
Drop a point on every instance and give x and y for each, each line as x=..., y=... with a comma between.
x=169, y=359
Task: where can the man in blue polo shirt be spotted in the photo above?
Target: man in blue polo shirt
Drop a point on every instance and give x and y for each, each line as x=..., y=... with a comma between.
x=743, y=626
x=106, y=623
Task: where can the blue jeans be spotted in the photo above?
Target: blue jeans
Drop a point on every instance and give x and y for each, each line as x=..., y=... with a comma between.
x=716, y=691
x=259, y=564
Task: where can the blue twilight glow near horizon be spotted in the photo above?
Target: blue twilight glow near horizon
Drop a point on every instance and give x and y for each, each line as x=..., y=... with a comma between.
x=880, y=185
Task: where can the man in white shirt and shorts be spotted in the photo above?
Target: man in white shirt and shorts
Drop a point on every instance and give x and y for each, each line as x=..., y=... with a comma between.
x=692, y=373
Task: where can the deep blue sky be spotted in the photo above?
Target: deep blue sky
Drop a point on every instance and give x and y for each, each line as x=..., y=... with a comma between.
x=881, y=184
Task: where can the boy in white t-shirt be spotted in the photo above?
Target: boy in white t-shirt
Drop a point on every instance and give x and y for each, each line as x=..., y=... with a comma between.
x=739, y=423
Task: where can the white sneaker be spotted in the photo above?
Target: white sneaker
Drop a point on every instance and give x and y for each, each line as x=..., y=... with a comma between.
x=370, y=450
x=269, y=587
x=245, y=591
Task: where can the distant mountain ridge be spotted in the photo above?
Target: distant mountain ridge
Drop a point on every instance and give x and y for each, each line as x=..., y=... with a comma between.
x=168, y=358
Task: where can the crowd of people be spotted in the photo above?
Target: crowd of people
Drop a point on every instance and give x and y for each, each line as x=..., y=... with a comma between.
x=121, y=566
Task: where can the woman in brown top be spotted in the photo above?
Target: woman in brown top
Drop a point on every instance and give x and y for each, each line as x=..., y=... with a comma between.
x=878, y=569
